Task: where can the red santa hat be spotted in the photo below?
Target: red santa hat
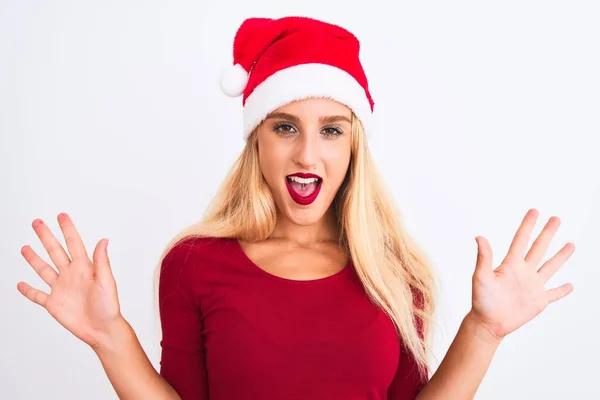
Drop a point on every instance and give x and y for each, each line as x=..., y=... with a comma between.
x=277, y=61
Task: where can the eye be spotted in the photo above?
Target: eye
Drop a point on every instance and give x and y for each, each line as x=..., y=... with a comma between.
x=284, y=128
x=332, y=132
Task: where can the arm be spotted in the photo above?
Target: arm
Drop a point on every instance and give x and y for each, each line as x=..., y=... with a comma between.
x=83, y=298
x=408, y=381
x=183, y=371
x=182, y=361
x=465, y=364
x=128, y=368
x=504, y=299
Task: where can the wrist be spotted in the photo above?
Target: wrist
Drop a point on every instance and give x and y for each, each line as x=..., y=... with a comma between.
x=481, y=330
x=114, y=338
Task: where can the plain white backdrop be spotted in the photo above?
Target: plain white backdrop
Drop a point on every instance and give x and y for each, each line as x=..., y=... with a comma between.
x=111, y=111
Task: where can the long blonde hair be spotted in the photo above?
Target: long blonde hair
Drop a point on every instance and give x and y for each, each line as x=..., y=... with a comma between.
x=393, y=269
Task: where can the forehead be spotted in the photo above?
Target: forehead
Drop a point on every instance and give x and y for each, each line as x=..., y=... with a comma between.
x=315, y=107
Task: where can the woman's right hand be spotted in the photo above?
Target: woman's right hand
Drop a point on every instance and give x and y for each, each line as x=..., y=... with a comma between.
x=83, y=292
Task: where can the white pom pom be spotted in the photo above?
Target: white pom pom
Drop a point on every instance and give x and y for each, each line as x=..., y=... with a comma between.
x=233, y=80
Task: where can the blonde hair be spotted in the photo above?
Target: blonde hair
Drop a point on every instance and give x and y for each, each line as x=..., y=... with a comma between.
x=393, y=269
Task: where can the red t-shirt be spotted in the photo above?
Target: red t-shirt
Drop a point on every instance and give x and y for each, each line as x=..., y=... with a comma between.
x=233, y=331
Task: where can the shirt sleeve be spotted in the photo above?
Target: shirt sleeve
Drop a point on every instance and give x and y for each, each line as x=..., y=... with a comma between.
x=408, y=382
x=182, y=362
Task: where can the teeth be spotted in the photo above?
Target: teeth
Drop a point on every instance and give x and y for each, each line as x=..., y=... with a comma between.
x=304, y=181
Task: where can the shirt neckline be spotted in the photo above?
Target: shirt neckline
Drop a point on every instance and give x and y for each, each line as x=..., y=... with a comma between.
x=238, y=247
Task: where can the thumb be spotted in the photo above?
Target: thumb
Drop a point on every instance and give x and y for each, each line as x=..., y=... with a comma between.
x=483, y=266
x=102, y=266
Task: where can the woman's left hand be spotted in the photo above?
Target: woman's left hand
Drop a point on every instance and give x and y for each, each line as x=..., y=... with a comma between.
x=511, y=295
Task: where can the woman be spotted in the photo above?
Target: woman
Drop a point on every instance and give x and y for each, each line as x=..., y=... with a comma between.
x=300, y=283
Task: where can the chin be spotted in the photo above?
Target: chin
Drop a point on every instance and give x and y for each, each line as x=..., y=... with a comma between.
x=302, y=214
x=303, y=217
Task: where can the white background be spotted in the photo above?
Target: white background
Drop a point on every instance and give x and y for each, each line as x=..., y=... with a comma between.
x=111, y=112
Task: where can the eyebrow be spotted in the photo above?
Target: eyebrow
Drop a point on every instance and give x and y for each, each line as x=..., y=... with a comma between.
x=324, y=120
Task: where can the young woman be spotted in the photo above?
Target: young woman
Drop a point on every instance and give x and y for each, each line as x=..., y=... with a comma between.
x=300, y=282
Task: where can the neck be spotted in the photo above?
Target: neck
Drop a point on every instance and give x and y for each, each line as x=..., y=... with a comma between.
x=322, y=231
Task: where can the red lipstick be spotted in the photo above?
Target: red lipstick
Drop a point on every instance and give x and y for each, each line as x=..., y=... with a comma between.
x=303, y=175
x=303, y=200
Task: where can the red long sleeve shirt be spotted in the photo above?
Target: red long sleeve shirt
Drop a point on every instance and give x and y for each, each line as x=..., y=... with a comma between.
x=233, y=331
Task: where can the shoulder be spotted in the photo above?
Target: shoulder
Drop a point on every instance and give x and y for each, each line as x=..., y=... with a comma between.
x=193, y=249
x=189, y=260
x=192, y=253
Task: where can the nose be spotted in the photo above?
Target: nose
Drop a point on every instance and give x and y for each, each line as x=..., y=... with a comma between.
x=306, y=151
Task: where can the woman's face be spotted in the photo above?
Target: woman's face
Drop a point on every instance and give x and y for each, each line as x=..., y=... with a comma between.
x=304, y=152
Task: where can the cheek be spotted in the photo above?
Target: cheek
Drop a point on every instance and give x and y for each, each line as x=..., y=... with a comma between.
x=270, y=161
x=337, y=161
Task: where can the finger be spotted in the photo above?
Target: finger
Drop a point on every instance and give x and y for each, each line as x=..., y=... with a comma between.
x=484, y=257
x=559, y=292
x=521, y=240
x=101, y=262
x=33, y=294
x=42, y=268
x=549, y=268
x=57, y=253
x=72, y=237
x=540, y=245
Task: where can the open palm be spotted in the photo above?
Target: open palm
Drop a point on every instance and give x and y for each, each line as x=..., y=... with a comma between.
x=511, y=295
x=83, y=294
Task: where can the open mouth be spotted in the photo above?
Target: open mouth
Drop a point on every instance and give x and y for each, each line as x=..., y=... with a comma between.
x=303, y=188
